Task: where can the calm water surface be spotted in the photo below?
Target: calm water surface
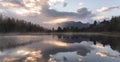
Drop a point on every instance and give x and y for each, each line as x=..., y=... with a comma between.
x=59, y=48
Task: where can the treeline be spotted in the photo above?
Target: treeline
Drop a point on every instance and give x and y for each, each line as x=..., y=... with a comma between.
x=14, y=25
x=112, y=25
x=66, y=29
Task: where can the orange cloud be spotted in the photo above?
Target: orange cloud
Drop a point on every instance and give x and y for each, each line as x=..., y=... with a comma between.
x=57, y=43
x=60, y=20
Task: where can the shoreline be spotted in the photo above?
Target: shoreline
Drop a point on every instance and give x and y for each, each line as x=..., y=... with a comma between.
x=111, y=34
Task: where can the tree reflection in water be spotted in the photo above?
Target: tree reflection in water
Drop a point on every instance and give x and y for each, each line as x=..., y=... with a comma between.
x=57, y=48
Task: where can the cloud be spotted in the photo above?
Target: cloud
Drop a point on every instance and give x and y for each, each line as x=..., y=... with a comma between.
x=65, y=4
x=105, y=9
x=37, y=11
x=106, y=54
x=53, y=2
x=31, y=6
x=81, y=14
x=100, y=18
x=9, y=5
x=56, y=21
x=81, y=4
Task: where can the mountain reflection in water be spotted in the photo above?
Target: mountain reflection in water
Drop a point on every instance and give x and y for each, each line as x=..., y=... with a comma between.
x=59, y=48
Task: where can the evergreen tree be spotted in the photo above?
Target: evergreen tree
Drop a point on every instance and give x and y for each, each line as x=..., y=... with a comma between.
x=59, y=29
x=14, y=25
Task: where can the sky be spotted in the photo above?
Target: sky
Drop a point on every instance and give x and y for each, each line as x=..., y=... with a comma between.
x=51, y=12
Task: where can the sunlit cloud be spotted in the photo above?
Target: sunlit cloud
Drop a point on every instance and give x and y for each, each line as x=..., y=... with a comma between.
x=9, y=5
x=105, y=54
x=27, y=6
x=11, y=59
x=31, y=56
x=39, y=11
x=100, y=18
x=22, y=11
x=23, y=52
x=33, y=5
x=57, y=43
x=56, y=21
x=81, y=4
x=99, y=46
x=105, y=9
x=102, y=54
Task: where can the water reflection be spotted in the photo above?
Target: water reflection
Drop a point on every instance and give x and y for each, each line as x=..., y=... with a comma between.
x=59, y=48
x=105, y=54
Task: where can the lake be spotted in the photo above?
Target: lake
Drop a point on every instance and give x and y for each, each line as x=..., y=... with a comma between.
x=59, y=48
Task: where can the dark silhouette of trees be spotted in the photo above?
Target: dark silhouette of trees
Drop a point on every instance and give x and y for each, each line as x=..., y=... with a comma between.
x=68, y=29
x=112, y=25
x=59, y=29
x=14, y=25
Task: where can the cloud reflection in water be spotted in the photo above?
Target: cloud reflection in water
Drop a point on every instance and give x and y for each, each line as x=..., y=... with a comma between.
x=49, y=48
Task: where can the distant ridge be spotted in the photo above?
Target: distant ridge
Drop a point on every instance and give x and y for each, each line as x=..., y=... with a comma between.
x=74, y=24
